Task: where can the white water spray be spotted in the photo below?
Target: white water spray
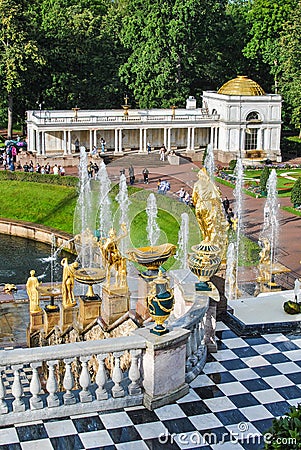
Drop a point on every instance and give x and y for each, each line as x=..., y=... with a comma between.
x=183, y=238
x=153, y=230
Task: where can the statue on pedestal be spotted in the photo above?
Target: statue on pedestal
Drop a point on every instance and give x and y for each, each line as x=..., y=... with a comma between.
x=68, y=282
x=32, y=285
x=112, y=257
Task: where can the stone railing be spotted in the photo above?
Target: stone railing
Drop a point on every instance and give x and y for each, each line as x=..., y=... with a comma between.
x=84, y=377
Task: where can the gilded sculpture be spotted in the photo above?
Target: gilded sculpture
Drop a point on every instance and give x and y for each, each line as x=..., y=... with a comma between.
x=68, y=298
x=32, y=285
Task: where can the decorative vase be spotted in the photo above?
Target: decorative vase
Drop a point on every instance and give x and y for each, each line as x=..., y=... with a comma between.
x=291, y=307
x=152, y=258
x=204, y=263
x=160, y=303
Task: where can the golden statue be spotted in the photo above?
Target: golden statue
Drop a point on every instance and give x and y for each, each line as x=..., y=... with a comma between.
x=68, y=282
x=112, y=257
x=32, y=285
x=265, y=253
x=207, y=200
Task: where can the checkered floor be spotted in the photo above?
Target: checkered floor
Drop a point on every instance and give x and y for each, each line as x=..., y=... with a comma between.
x=247, y=383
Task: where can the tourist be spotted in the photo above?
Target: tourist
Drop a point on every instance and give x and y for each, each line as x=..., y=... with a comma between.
x=47, y=168
x=226, y=204
x=62, y=171
x=55, y=170
x=12, y=166
x=149, y=147
x=181, y=194
x=90, y=170
x=102, y=145
x=76, y=143
x=26, y=167
x=38, y=168
x=230, y=217
x=145, y=173
x=164, y=187
x=94, y=150
x=96, y=170
x=187, y=199
x=162, y=153
x=131, y=174
x=42, y=170
x=122, y=171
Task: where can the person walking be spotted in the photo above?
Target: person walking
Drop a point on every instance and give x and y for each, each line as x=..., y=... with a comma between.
x=131, y=174
x=145, y=173
x=149, y=147
x=162, y=153
x=226, y=204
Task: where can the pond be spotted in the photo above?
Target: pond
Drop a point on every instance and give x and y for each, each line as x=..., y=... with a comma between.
x=19, y=255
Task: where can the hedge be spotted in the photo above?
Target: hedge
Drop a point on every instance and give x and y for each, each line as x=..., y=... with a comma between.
x=39, y=178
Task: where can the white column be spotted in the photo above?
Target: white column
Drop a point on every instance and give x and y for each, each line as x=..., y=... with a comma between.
x=192, y=138
x=188, y=138
x=43, y=142
x=141, y=140
x=211, y=135
x=95, y=137
x=168, y=139
x=91, y=140
x=116, y=140
x=120, y=141
x=259, y=139
x=69, y=143
x=144, y=140
x=165, y=137
x=65, y=141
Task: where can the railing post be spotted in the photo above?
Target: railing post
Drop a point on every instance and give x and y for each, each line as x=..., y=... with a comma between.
x=101, y=378
x=84, y=380
x=68, y=383
x=134, y=373
x=117, y=390
x=35, y=387
x=3, y=405
x=51, y=385
x=17, y=389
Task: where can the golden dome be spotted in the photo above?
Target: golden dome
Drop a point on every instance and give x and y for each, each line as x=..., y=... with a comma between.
x=241, y=85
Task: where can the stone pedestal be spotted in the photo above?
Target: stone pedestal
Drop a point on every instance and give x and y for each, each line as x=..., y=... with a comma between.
x=68, y=316
x=141, y=305
x=36, y=321
x=89, y=309
x=51, y=318
x=162, y=383
x=210, y=319
x=115, y=303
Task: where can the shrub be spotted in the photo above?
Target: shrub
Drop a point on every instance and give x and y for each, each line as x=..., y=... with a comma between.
x=264, y=179
x=232, y=164
x=296, y=193
x=38, y=178
x=285, y=433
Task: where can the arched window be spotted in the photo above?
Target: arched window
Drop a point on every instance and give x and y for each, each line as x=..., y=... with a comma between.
x=253, y=116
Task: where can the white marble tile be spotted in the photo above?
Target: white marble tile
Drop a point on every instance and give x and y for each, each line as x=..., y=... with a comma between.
x=288, y=367
x=244, y=374
x=219, y=404
x=233, y=388
x=169, y=412
x=294, y=401
x=190, y=397
x=256, y=412
x=255, y=361
x=40, y=444
x=226, y=446
x=297, y=342
x=205, y=421
x=116, y=420
x=213, y=367
x=221, y=326
x=133, y=445
x=201, y=381
x=93, y=439
x=60, y=428
x=275, y=337
x=293, y=355
x=192, y=439
x=8, y=436
x=278, y=381
x=267, y=396
x=151, y=430
x=224, y=355
x=241, y=430
x=235, y=343
x=265, y=349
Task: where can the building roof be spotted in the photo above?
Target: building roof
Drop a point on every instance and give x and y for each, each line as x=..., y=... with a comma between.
x=241, y=85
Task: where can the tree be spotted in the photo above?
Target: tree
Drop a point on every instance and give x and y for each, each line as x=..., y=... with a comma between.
x=296, y=193
x=18, y=50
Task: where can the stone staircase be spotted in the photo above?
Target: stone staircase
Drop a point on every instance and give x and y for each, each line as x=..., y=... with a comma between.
x=149, y=160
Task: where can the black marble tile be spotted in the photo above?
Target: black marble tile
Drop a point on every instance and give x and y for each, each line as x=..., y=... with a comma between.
x=181, y=425
x=286, y=346
x=243, y=400
x=231, y=416
x=221, y=345
x=289, y=392
x=138, y=416
x=278, y=408
x=294, y=377
x=194, y=408
x=71, y=442
x=255, y=340
x=234, y=364
x=254, y=442
x=155, y=444
x=106, y=447
x=244, y=352
x=225, y=334
x=263, y=425
x=221, y=377
x=31, y=432
x=15, y=446
x=215, y=436
x=276, y=358
x=85, y=424
x=210, y=358
x=208, y=392
x=266, y=371
x=258, y=384
x=124, y=434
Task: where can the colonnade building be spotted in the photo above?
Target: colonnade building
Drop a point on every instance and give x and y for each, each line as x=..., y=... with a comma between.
x=239, y=120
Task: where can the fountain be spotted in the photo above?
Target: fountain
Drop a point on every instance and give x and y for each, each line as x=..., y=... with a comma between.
x=209, y=162
x=123, y=200
x=105, y=217
x=231, y=290
x=238, y=216
x=183, y=238
x=153, y=230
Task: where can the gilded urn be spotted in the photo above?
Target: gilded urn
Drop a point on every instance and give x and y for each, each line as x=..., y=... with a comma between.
x=204, y=263
x=160, y=303
x=152, y=258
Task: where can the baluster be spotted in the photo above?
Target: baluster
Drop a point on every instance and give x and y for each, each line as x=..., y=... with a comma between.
x=188, y=355
x=17, y=389
x=193, y=357
x=134, y=373
x=84, y=380
x=68, y=383
x=35, y=387
x=101, y=378
x=52, y=386
x=117, y=390
x=200, y=340
x=3, y=405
